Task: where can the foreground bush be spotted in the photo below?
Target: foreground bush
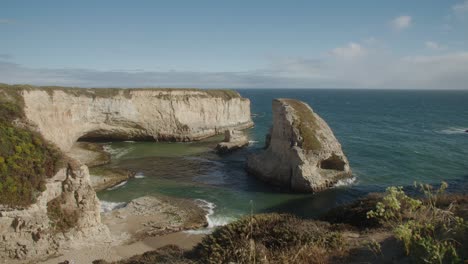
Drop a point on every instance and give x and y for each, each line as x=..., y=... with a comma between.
x=270, y=238
x=430, y=233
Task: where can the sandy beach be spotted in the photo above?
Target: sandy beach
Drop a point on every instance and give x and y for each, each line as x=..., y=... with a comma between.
x=113, y=253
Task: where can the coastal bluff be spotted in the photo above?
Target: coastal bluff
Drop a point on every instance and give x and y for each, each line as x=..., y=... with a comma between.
x=302, y=153
x=65, y=115
x=38, y=127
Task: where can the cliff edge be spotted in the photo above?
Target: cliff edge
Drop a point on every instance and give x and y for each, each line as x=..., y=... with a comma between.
x=64, y=115
x=302, y=153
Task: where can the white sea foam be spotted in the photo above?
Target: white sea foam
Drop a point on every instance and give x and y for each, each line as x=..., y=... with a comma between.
x=345, y=182
x=213, y=221
x=129, y=141
x=251, y=142
x=117, y=186
x=139, y=175
x=453, y=130
x=109, y=206
x=116, y=153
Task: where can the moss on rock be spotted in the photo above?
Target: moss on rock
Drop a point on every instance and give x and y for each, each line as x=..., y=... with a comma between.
x=306, y=123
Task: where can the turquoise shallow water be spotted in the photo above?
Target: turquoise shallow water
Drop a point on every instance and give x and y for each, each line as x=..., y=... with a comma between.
x=390, y=138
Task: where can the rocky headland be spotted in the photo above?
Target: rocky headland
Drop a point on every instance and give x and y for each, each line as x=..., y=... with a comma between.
x=64, y=115
x=48, y=202
x=302, y=153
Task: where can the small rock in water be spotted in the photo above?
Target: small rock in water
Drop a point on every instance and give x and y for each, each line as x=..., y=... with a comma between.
x=233, y=140
x=466, y=131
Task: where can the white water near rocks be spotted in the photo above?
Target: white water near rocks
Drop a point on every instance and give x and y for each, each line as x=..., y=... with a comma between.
x=109, y=206
x=454, y=130
x=139, y=175
x=117, y=186
x=213, y=221
x=346, y=182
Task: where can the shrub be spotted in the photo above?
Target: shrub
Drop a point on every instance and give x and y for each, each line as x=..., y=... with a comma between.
x=26, y=159
x=429, y=234
x=269, y=238
x=62, y=218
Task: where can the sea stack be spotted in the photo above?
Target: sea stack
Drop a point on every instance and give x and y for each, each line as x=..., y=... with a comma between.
x=233, y=140
x=302, y=153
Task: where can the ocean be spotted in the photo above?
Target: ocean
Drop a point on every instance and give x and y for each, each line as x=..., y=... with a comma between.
x=391, y=138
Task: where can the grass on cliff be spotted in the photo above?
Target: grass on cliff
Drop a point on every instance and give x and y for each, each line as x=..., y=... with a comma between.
x=26, y=159
x=126, y=92
x=306, y=123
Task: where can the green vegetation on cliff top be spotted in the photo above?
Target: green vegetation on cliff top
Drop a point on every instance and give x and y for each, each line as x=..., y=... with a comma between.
x=127, y=92
x=306, y=123
x=26, y=159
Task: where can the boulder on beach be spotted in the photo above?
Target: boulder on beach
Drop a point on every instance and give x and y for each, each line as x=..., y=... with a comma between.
x=302, y=153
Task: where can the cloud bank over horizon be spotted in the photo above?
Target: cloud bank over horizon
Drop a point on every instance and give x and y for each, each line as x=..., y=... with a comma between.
x=351, y=66
x=239, y=44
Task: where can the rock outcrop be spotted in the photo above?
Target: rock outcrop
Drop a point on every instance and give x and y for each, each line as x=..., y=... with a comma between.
x=151, y=216
x=66, y=214
x=233, y=140
x=302, y=153
x=65, y=115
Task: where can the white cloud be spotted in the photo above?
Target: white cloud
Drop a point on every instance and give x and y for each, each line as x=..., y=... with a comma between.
x=461, y=7
x=352, y=50
x=433, y=45
x=401, y=22
x=378, y=69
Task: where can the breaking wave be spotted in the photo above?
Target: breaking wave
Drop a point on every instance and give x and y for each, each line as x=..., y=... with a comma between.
x=117, y=186
x=109, y=206
x=213, y=221
x=345, y=182
x=453, y=130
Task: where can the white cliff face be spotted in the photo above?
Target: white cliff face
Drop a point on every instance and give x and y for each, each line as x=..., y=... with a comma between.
x=32, y=234
x=302, y=152
x=179, y=115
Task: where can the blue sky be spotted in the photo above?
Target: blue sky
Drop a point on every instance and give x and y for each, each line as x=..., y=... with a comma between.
x=236, y=44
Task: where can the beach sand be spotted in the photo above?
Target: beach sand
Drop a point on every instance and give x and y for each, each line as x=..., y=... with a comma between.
x=118, y=252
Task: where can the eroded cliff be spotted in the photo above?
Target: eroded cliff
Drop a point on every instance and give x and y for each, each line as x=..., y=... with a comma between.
x=302, y=152
x=64, y=116
x=66, y=214
x=63, y=211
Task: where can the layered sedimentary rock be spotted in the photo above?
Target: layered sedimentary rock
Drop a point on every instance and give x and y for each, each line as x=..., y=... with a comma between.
x=302, y=153
x=65, y=115
x=66, y=214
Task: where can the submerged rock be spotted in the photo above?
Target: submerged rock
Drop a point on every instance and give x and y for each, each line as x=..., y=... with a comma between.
x=302, y=152
x=233, y=140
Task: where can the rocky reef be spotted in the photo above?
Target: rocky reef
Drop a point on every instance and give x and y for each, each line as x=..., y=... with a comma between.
x=302, y=153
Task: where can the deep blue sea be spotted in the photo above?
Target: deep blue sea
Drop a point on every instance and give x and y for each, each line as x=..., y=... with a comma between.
x=391, y=137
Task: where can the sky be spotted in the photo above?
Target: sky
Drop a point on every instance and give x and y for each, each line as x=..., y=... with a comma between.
x=236, y=44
